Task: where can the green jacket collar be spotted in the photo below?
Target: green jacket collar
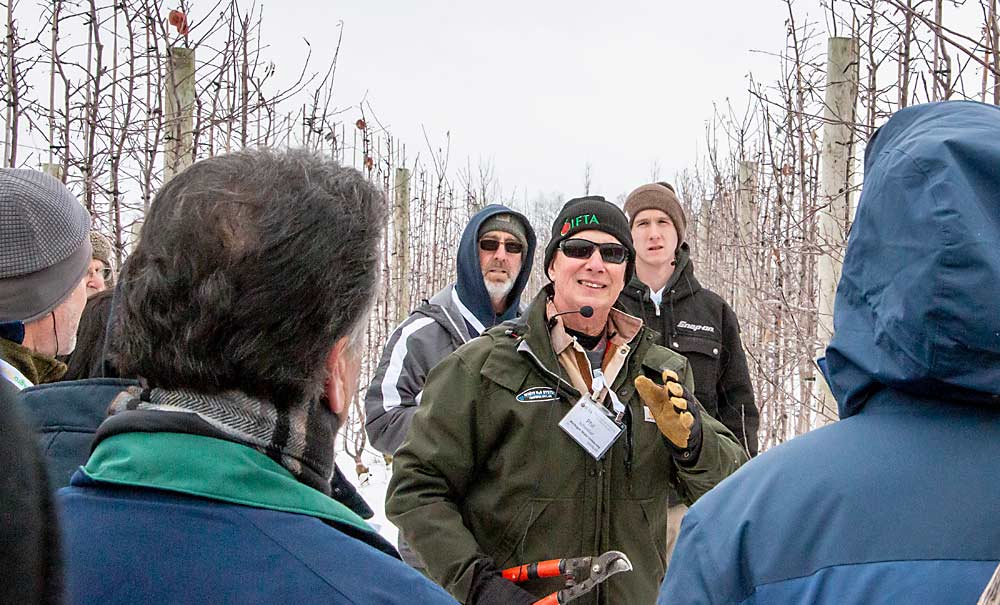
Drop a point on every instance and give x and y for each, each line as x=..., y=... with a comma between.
x=210, y=468
x=536, y=331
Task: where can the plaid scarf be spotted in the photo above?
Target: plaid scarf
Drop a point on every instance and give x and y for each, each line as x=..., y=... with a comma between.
x=299, y=438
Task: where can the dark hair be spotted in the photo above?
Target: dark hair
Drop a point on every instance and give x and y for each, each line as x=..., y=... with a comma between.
x=87, y=359
x=249, y=267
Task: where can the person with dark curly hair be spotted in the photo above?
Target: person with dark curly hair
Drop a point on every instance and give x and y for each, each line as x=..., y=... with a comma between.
x=241, y=312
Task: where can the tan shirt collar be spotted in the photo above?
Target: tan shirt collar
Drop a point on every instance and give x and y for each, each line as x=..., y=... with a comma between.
x=620, y=330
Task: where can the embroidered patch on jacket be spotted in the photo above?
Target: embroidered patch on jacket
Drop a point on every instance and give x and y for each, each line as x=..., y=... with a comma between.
x=537, y=394
x=695, y=327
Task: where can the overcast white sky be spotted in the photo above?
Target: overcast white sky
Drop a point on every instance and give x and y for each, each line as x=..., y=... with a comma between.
x=541, y=88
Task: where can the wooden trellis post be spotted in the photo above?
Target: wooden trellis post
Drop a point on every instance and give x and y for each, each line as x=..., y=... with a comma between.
x=746, y=216
x=401, y=241
x=179, y=111
x=53, y=170
x=836, y=173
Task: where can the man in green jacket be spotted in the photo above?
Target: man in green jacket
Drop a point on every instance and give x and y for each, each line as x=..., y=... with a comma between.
x=500, y=467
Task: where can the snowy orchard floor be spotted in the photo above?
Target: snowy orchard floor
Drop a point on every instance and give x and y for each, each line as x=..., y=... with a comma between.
x=372, y=488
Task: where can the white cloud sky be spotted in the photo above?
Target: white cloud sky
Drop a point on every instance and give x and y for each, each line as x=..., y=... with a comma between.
x=541, y=88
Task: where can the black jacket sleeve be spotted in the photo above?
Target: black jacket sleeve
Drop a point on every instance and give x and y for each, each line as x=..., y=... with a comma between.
x=737, y=408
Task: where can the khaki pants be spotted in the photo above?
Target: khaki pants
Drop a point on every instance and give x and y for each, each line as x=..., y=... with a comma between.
x=675, y=514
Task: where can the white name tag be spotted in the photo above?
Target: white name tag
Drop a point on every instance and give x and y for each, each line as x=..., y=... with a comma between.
x=647, y=415
x=589, y=425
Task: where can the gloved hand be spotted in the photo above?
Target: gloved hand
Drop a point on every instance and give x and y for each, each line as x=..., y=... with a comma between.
x=674, y=410
x=491, y=588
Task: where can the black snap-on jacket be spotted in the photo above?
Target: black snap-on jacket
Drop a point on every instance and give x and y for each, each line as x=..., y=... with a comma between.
x=700, y=325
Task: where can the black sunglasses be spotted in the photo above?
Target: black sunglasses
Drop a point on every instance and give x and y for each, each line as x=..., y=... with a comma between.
x=492, y=245
x=614, y=254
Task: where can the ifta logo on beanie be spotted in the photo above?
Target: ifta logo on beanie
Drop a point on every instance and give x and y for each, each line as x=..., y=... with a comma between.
x=576, y=221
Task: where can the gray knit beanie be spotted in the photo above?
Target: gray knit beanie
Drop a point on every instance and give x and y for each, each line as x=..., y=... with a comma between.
x=44, y=244
x=506, y=222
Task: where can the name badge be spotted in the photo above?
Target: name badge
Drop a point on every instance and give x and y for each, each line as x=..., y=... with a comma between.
x=14, y=376
x=590, y=426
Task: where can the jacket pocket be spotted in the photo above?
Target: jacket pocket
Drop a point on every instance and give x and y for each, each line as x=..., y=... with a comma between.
x=704, y=355
x=517, y=530
x=639, y=529
x=654, y=512
x=544, y=529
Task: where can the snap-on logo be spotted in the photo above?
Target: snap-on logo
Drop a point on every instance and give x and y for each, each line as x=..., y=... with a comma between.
x=695, y=328
x=537, y=394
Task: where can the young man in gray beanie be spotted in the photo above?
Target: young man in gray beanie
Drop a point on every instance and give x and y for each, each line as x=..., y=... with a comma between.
x=690, y=319
x=44, y=254
x=500, y=468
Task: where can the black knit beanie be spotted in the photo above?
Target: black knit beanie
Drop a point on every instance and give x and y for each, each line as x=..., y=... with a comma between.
x=591, y=213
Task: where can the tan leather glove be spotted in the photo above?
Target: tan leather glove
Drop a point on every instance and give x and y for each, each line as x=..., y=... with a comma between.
x=672, y=407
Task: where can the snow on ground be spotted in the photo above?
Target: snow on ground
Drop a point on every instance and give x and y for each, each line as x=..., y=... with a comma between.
x=372, y=488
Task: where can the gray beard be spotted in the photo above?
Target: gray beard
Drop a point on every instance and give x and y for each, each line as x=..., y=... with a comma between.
x=498, y=292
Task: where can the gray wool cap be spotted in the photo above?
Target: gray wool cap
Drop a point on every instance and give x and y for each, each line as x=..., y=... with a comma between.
x=506, y=222
x=44, y=244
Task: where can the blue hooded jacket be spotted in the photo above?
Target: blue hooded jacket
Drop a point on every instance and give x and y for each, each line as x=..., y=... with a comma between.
x=470, y=287
x=899, y=502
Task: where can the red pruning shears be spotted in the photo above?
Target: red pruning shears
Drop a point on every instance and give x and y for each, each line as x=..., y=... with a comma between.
x=600, y=568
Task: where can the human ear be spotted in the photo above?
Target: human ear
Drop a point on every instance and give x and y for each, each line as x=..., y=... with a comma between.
x=338, y=381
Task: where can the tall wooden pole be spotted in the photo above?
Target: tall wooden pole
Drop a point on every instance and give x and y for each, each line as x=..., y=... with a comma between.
x=836, y=173
x=746, y=217
x=704, y=217
x=401, y=241
x=179, y=111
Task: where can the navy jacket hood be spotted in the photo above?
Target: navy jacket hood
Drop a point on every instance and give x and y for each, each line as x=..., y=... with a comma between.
x=470, y=286
x=918, y=303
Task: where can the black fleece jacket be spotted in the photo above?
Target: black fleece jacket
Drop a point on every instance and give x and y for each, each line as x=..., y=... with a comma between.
x=700, y=325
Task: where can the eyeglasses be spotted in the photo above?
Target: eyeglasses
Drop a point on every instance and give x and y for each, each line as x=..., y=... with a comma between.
x=614, y=254
x=492, y=245
x=104, y=271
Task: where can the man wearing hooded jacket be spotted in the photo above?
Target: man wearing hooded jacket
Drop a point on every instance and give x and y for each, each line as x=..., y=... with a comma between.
x=899, y=501
x=494, y=263
x=452, y=317
x=499, y=469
